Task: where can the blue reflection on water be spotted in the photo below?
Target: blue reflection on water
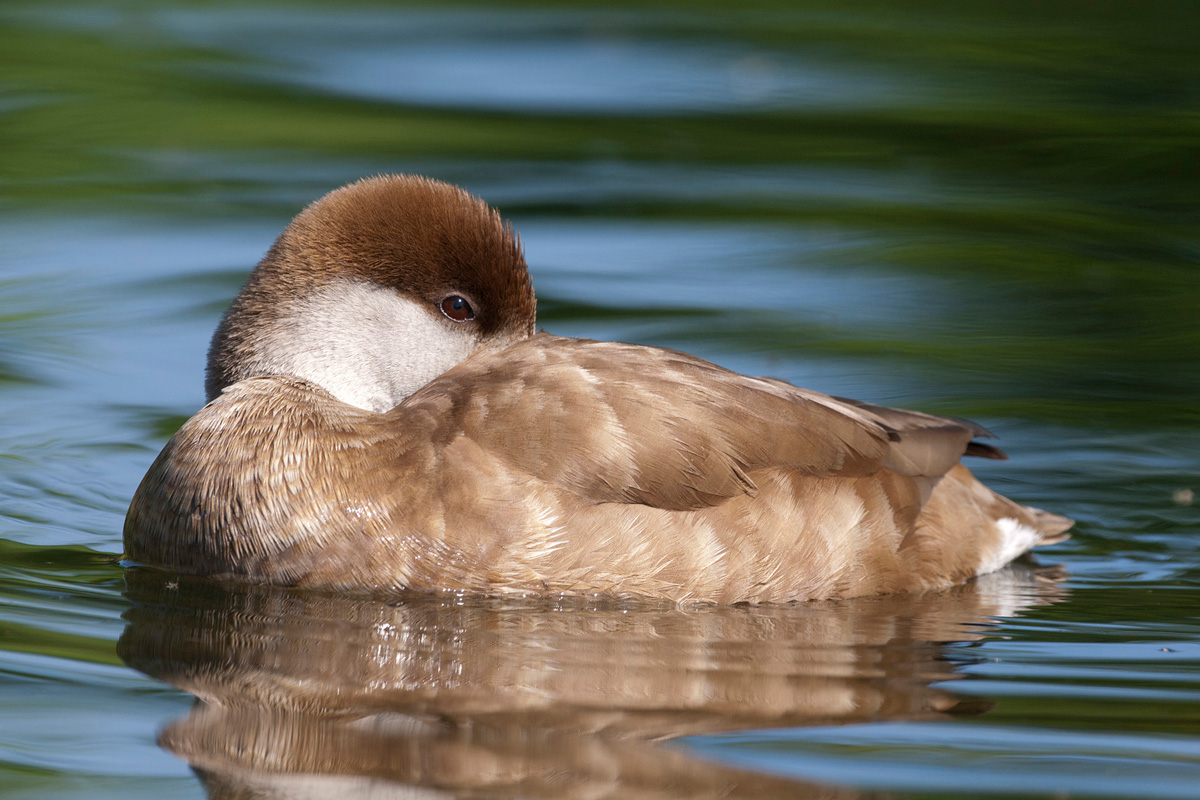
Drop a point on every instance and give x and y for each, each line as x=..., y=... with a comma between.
x=914, y=756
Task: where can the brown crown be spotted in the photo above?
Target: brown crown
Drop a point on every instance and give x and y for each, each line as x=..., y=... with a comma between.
x=421, y=237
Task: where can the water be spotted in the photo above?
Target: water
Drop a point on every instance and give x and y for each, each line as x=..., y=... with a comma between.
x=988, y=211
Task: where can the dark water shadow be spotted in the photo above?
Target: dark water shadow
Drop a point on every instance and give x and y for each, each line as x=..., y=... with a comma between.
x=308, y=695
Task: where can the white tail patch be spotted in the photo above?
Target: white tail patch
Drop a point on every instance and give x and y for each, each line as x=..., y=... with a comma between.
x=1015, y=538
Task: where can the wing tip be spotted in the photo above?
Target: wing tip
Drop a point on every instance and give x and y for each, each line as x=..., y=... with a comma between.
x=983, y=450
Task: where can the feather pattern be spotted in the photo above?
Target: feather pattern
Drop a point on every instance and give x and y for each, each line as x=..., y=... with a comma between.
x=534, y=463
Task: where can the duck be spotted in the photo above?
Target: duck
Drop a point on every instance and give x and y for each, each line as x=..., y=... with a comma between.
x=384, y=416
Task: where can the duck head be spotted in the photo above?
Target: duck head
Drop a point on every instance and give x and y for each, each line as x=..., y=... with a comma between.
x=376, y=289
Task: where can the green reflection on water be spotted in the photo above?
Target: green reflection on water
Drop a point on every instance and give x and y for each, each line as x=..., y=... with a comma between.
x=1055, y=157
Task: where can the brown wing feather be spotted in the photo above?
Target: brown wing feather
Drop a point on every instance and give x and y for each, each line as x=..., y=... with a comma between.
x=926, y=445
x=625, y=423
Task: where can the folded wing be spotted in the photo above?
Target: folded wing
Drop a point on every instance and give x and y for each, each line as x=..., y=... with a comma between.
x=631, y=424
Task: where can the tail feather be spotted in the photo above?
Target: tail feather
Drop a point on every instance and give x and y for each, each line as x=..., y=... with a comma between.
x=1053, y=527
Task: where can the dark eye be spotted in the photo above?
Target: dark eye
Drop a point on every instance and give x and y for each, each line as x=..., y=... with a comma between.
x=457, y=309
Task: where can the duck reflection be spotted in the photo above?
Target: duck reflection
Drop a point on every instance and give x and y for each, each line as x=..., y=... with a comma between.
x=305, y=695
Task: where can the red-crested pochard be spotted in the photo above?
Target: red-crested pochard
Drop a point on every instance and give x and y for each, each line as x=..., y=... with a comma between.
x=382, y=415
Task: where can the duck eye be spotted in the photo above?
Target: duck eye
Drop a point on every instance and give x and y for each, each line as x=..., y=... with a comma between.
x=457, y=308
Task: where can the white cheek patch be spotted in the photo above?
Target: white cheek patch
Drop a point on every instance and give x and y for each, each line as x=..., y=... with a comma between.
x=1015, y=538
x=364, y=344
